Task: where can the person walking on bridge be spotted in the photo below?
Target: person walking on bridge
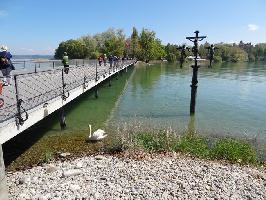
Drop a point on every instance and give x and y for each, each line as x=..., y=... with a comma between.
x=100, y=60
x=111, y=60
x=104, y=59
x=6, y=65
x=65, y=63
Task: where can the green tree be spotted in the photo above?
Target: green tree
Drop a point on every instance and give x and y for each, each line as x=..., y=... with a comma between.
x=259, y=51
x=203, y=52
x=158, y=50
x=217, y=59
x=134, y=43
x=170, y=57
x=75, y=49
x=237, y=55
x=91, y=45
x=110, y=42
x=146, y=42
x=172, y=52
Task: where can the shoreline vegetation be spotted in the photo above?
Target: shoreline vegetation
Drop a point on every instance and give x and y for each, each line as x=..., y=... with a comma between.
x=130, y=143
x=145, y=46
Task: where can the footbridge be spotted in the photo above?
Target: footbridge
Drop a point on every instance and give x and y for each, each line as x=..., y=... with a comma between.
x=39, y=88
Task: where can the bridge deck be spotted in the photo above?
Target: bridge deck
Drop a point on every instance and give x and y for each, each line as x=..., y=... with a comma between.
x=38, y=94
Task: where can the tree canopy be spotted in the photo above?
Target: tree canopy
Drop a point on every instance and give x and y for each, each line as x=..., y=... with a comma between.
x=146, y=46
x=76, y=49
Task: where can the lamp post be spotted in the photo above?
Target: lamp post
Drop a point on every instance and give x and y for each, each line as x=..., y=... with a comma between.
x=195, y=67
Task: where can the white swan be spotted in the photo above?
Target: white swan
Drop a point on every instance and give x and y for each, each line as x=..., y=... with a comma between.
x=97, y=135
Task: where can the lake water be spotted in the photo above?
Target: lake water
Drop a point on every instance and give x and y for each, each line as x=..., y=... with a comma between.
x=231, y=99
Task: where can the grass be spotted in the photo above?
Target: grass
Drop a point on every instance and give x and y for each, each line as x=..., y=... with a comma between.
x=193, y=145
x=48, y=156
x=152, y=142
x=233, y=150
x=49, y=148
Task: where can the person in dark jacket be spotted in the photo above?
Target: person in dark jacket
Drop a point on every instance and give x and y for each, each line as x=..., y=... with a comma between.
x=6, y=65
x=111, y=59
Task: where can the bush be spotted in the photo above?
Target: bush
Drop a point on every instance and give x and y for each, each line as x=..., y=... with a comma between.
x=234, y=151
x=251, y=58
x=217, y=59
x=171, y=57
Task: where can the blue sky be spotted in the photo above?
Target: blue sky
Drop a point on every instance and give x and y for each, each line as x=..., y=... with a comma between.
x=38, y=26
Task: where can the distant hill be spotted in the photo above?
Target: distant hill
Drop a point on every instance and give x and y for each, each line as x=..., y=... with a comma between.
x=33, y=56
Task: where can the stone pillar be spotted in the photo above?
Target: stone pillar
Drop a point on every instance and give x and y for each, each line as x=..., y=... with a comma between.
x=3, y=187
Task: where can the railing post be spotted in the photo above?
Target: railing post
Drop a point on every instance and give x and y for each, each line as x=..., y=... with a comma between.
x=64, y=97
x=24, y=64
x=96, y=73
x=35, y=68
x=17, y=98
x=19, y=119
x=53, y=64
x=84, y=81
x=96, y=79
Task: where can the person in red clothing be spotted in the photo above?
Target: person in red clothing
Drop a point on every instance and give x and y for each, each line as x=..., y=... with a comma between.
x=100, y=59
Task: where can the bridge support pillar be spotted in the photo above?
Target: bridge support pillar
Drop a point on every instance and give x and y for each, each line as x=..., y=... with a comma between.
x=3, y=187
x=62, y=119
x=96, y=93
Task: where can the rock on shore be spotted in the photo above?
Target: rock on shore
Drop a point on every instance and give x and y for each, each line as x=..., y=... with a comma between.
x=108, y=177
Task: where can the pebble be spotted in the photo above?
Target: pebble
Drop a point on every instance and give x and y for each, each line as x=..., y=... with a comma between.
x=71, y=172
x=51, y=168
x=99, y=157
x=109, y=177
x=74, y=187
x=79, y=165
x=63, y=155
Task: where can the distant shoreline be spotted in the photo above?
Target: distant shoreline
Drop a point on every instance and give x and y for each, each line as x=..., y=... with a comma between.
x=33, y=57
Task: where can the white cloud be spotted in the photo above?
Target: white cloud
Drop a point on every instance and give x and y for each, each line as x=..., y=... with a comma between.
x=3, y=13
x=253, y=27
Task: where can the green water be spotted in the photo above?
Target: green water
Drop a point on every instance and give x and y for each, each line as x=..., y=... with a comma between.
x=231, y=99
x=90, y=110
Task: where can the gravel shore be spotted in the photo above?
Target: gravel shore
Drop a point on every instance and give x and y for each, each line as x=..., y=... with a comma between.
x=162, y=177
